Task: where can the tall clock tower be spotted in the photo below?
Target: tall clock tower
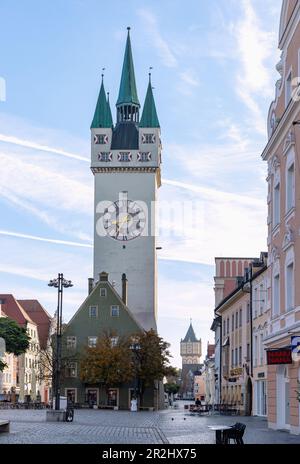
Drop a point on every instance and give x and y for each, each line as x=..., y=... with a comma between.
x=126, y=158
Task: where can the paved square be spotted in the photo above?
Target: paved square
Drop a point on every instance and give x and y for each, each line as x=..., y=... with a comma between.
x=174, y=426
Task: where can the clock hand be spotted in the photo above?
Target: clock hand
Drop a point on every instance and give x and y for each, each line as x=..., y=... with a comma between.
x=134, y=214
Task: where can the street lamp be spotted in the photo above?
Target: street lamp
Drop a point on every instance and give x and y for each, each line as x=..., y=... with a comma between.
x=60, y=283
x=135, y=348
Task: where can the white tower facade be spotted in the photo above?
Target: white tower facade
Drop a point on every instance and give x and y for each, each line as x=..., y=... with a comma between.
x=126, y=160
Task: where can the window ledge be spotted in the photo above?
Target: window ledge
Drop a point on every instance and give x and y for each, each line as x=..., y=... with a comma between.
x=290, y=213
x=276, y=229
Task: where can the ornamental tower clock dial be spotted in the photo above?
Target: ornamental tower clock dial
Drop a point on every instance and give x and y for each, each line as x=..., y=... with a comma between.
x=126, y=158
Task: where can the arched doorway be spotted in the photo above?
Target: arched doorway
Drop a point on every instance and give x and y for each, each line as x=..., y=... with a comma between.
x=248, y=406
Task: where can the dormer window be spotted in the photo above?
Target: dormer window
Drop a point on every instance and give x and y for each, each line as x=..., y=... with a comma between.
x=124, y=156
x=100, y=139
x=143, y=157
x=148, y=138
x=105, y=156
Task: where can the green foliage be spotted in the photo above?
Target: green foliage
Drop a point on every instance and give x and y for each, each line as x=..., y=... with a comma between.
x=171, y=388
x=16, y=337
x=107, y=364
x=153, y=358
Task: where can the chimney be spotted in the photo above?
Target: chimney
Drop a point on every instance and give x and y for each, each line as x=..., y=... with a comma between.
x=124, y=288
x=91, y=285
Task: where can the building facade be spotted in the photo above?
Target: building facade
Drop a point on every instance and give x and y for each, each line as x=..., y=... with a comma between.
x=103, y=311
x=209, y=375
x=126, y=159
x=261, y=309
x=236, y=312
x=21, y=380
x=228, y=271
x=282, y=155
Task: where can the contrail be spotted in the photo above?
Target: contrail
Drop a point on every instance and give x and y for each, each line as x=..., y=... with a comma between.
x=87, y=245
x=174, y=183
x=37, y=146
x=42, y=239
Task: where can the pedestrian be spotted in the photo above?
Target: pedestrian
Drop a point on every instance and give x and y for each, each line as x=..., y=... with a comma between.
x=133, y=405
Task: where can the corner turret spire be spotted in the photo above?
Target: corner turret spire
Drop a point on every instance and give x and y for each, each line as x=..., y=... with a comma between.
x=102, y=115
x=149, y=115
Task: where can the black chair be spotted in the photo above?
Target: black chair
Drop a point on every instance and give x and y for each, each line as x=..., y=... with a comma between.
x=236, y=433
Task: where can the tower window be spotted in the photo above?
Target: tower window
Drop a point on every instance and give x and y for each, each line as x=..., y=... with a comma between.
x=115, y=311
x=105, y=156
x=93, y=311
x=124, y=156
x=144, y=156
x=103, y=292
x=100, y=139
x=114, y=341
x=71, y=342
x=92, y=342
x=148, y=138
x=71, y=369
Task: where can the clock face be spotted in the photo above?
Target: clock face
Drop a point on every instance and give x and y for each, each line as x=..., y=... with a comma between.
x=124, y=220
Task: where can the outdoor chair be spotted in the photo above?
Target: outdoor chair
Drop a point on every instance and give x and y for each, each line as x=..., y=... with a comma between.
x=236, y=433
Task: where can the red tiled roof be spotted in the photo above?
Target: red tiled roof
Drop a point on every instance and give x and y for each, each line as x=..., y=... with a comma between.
x=41, y=318
x=14, y=310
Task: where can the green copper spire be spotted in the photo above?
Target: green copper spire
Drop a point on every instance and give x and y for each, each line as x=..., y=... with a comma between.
x=102, y=116
x=128, y=92
x=149, y=116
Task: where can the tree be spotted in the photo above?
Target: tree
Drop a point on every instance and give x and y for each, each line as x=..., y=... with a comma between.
x=153, y=359
x=171, y=388
x=16, y=338
x=108, y=364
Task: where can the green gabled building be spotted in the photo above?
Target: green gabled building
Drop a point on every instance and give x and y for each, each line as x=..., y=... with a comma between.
x=102, y=311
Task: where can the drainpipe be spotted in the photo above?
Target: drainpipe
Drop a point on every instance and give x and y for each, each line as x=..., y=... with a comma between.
x=220, y=370
x=251, y=323
x=124, y=289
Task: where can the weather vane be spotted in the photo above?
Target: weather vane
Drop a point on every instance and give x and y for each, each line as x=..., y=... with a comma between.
x=102, y=75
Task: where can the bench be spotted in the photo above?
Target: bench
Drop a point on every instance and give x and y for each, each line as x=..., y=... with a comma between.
x=105, y=406
x=4, y=425
x=146, y=408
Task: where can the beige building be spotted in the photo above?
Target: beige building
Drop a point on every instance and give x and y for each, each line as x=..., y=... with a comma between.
x=282, y=156
x=199, y=386
x=261, y=309
x=23, y=376
x=237, y=346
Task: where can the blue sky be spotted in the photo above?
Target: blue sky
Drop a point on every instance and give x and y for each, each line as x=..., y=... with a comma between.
x=213, y=77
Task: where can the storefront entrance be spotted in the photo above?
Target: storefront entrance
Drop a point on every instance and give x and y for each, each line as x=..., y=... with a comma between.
x=283, y=398
x=92, y=396
x=260, y=398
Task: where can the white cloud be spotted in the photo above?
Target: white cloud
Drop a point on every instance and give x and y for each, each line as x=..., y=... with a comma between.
x=255, y=46
x=164, y=51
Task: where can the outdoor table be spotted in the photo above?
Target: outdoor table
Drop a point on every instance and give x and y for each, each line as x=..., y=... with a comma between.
x=219, y=432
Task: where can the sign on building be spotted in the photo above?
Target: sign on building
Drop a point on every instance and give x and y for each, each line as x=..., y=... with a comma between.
x=281, y=356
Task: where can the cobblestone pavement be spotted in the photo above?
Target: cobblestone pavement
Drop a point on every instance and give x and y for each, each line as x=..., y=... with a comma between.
x=174, y=426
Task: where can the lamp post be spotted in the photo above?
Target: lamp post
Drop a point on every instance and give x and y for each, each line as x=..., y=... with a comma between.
x=135, y=347
x=60, y=283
